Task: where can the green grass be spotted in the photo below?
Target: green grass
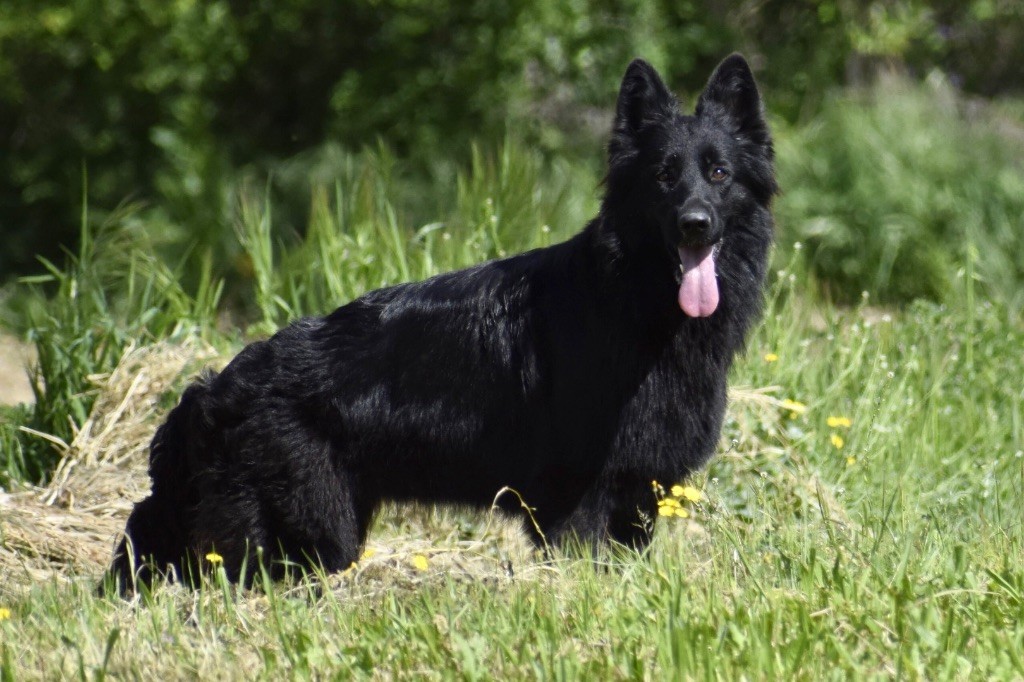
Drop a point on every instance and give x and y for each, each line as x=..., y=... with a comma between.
x=898, y=554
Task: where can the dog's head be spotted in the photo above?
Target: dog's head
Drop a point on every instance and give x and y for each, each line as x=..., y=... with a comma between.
x=692, y=188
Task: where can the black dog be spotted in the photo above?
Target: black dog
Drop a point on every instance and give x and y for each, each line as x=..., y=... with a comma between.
x=573, y=374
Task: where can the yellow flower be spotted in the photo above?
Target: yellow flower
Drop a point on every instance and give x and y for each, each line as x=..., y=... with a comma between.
x=837, y=422
x=669, y=502
x=682, y=513
x=214, y=558
x=850, y=461
x=837, y=441
x=771, y=357
x=5, y=613
x=420, y=563
x=367, y=553
x=690, y=494
x=665, y=510
x=795, y=407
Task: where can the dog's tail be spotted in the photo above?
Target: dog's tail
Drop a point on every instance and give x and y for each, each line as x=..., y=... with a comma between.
x=157, y=537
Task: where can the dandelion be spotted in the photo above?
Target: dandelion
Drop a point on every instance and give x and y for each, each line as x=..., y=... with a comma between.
x=839, y=422
x=5, y=613
x=690, y=494
x=214, y=558
x=420, y=563
x=837, y=441
x=771, y=357
x=850, y=461
x=796, y=408
x=673, y=506
x=367, y=554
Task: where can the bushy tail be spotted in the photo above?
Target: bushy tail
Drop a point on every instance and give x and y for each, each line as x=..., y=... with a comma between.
x=156, y=538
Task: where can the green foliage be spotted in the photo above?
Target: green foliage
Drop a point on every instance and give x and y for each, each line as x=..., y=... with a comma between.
x=170, y=102
x=891, y=190
x=119, y=86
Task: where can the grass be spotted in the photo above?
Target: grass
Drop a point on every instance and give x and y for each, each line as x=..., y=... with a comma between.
x=862, y=518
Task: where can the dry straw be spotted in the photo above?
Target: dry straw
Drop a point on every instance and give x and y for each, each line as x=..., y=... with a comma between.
x=69, y=526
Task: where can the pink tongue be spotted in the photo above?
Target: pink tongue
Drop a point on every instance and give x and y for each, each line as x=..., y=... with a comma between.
x=698, y=294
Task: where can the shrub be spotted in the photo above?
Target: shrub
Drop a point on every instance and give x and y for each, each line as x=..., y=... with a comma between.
x=892, y=190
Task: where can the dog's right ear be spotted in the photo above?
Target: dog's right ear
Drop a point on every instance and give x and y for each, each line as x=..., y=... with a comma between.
x=643, y=98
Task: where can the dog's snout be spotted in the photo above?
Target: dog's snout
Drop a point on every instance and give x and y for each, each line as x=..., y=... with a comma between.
x=695, y=221
x=698, y=224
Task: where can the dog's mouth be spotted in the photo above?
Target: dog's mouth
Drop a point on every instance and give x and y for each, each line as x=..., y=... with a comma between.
x=698, y=286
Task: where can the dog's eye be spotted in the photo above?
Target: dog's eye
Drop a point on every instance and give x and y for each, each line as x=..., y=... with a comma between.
x=665, y=175
x=718, y=174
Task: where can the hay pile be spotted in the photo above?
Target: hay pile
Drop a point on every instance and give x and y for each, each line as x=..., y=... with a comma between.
x=70, y=526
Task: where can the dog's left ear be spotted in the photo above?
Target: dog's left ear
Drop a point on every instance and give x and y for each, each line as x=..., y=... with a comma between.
x=732, y=93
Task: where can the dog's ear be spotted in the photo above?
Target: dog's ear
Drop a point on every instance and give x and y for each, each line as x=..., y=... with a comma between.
x=731, y=93
x=643, y=98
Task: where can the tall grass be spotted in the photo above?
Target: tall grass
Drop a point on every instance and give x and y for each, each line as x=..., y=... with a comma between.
x=112, y=293
x=507, y=200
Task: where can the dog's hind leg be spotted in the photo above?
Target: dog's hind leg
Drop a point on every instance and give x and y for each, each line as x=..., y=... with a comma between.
x=306, y=519
x=154, y=544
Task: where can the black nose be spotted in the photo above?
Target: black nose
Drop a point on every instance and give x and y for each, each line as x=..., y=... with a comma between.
x=695, y=222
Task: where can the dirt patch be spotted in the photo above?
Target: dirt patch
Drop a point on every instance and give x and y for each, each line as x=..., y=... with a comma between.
x=15, y=358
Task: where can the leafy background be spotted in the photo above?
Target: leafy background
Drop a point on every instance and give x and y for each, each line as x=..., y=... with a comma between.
x=175, y=105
